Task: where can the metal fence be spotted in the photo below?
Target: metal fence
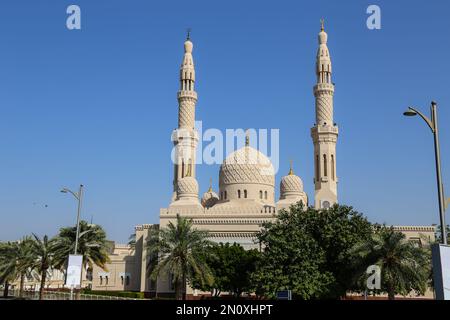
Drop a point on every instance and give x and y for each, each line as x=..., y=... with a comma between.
x=58, y=295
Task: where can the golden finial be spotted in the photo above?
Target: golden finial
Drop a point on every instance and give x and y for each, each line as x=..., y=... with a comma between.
x=322, y=23
x=210, y=185
x=291, y=171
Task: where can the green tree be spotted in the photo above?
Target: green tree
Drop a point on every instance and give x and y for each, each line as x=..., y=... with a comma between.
x=8, y=271
x=132, y=241
x=405, y=267
x=43, y=251
x=178, y=249
x=16, y=260
x=92, y=245
x=439, y=236
x=232, y=267
x=308, y=251
x=336, y=230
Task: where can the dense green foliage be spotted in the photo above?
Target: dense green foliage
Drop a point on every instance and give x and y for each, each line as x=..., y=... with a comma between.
x=92, y=245
x=232, y=267
x=39, y=255
x=308, y=251
x=43, y=250
x=405, y=267
x=439, y=236
x=16, y=258
x=123, y=294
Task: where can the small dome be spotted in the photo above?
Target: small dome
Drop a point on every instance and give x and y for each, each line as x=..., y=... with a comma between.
x=209, y=198
x=188, y=45
x=187, y=187
x=291, y=184
x=323, y=37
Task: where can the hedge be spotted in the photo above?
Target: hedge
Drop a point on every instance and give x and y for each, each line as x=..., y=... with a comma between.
x=123, y=294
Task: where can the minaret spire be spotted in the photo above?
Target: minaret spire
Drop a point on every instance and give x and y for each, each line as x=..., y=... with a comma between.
x=185, y=137
x=325, y=131
x=188, y=36
x=210, y=185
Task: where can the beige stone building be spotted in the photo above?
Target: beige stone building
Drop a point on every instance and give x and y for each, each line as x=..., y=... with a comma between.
x=246, y=195
x=247, y=182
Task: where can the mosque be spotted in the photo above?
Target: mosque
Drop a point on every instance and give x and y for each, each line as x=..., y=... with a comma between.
x=246, y=195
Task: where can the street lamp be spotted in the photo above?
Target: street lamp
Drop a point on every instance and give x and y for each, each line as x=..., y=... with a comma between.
x=79, y=196
x=433, y=124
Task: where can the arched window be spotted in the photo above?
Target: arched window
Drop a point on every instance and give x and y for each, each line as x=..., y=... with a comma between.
x=225, y=195
x=121, y=280
x=265, y=195
x=325, y=173
x=239, y=194
x=317, y=168
x=260, y=194
x=221, y=195
x=101, y=280
x=106, y=280
x=127, y=280
x=189, y=170
x=245, y=194
x=333, y=174
x=182, y=168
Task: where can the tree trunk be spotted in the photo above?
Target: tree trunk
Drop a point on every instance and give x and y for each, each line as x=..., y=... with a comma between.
x=22, y=280
x=391, y=295
x=41, y=289
x=5, y=291
x=177, y=290
x=183, y=288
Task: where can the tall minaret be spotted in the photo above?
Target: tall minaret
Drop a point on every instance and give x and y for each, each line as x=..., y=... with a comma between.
x=325, y=131
x=185, y=137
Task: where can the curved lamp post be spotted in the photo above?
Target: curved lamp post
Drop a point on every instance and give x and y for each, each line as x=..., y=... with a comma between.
x=433, y=124
x=79, y=196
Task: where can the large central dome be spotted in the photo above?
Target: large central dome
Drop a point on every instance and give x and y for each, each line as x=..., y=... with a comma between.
x=247, y=174
x=247, y=165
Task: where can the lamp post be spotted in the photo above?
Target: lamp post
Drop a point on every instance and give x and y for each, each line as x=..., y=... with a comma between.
x=433, y=124
x=79, y=196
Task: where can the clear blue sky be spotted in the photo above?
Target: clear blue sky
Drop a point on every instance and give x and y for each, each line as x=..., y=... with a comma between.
x=93, y=106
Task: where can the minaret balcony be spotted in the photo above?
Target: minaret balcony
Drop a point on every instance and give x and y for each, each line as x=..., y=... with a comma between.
x=187, y=94
x=186, y=135
x=324, y=87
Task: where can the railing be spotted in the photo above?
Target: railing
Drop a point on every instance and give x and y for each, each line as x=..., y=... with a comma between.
x=59, y=295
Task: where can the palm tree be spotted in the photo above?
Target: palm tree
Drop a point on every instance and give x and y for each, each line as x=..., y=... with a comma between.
x=92, y=245
x=177, y=249
x=404, y=266
x=7, y=271
x=132, y=241
x=43, y=250
x=16, y=262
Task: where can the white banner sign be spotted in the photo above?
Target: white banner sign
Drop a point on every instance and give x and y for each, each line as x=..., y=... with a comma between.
x=441, y=270
x=74, y=266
